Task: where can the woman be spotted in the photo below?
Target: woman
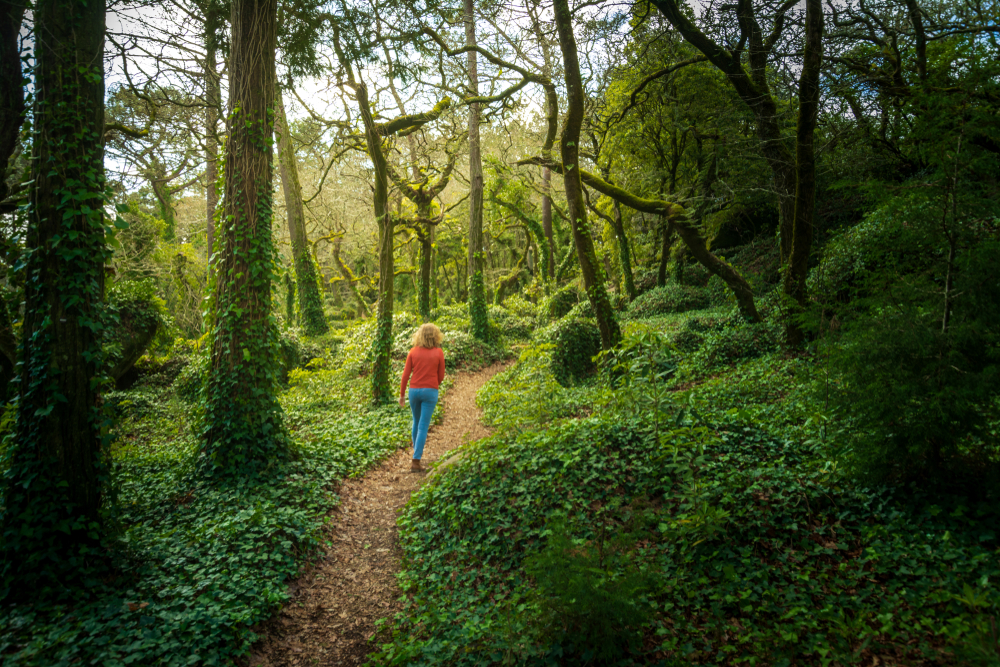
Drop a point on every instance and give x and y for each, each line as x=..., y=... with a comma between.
x=424, y=371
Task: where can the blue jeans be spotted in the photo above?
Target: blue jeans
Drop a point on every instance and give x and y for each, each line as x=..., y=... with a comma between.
x=422, y=402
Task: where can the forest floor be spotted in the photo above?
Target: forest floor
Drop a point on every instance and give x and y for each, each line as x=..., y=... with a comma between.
x=333, y=607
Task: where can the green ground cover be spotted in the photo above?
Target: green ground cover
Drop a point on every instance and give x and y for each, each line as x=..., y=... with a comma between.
x=199, y=563
x=687, y=508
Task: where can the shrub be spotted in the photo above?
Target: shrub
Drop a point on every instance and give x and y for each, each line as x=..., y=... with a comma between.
x=510, y=325
x=577, y=340
x=461, y=350
x=915, y=349
x=671, y=298
x=583, y=607
x=295, y=351
x=191, y=378
x=563, y=300
x=735, y=340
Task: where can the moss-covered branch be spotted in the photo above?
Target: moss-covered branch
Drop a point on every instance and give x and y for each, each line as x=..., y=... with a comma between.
x=675, y=214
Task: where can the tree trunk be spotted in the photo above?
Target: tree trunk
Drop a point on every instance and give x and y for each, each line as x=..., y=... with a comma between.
x=623, y=252
x=426, y=257
x=477, y=267
x=310, y=312
x=11, y=85
x=243, y=420
x=593, y=278
x=805, y=164
x=382, y=343
x=753, y=89
x=55, y=480
x=550, y=261
x=666, y=233
x=213, y=100
x=349, y=278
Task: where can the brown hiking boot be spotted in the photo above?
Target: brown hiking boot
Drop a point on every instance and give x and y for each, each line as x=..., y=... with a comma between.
x=415, y=466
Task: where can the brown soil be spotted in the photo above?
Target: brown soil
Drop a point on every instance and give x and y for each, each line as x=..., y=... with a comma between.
x=331, y=614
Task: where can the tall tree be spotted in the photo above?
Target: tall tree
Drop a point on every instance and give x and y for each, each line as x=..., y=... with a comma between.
x=51, y=518
x=311, y=316
x=477, y=261
x=243, y=421
x=213, y=102
x=805, y=169
x=593, y=276
x=11, y=84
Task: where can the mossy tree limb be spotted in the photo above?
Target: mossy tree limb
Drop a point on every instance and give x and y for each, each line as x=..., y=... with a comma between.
x=677, y=217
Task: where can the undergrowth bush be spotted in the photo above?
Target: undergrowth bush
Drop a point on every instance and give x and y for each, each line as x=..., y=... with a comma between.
x=575, y=341
x=671, y=298
x=563, y=300
x=528, y=393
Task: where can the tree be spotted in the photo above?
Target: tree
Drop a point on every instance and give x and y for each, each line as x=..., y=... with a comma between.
x=422, y=193
x=311, y=316
x=52, y=519
x=375, y=133
x=593, y=276
x=11, y=85
x=477, y=277
x=805, y=169
x=243, y=428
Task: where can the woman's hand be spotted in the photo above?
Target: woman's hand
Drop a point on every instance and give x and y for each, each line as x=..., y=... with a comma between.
x=402, y=402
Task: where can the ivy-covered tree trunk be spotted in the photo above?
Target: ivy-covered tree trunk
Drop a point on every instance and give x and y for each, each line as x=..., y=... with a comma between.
x=805, y=163
x=382, y=343
x=593, y=276
x=243, y=428
x=310, y=303
x=477, y=258
x=11, y=85
x=51, y=521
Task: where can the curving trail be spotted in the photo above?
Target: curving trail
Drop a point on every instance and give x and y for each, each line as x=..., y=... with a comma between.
x=334, y=605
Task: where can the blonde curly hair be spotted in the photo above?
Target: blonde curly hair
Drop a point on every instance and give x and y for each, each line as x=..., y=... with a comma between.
x=428, y=335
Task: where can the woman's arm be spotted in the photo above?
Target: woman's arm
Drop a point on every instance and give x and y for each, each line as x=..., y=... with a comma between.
x=406, y=376
x=441, y=367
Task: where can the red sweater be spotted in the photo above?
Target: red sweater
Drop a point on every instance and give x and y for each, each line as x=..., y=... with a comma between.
x=426, y=365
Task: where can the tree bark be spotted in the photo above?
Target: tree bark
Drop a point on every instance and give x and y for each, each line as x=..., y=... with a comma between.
x=805, y=164
x=213, y=101
x=593, y=277
x=382, y=344
x=350, y=279
x=11, y=85
x=243, y=421
x=477, y=266
x=666, y=232
x=310, y=303
x=426, y=257
x=54, y=485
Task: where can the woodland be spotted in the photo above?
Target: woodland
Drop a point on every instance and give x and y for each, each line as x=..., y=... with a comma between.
x=739, y=258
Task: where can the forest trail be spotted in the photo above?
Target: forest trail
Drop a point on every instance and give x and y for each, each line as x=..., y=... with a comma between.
x=334, y=605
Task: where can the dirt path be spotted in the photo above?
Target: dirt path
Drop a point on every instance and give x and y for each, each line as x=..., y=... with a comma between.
x=334, y=606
